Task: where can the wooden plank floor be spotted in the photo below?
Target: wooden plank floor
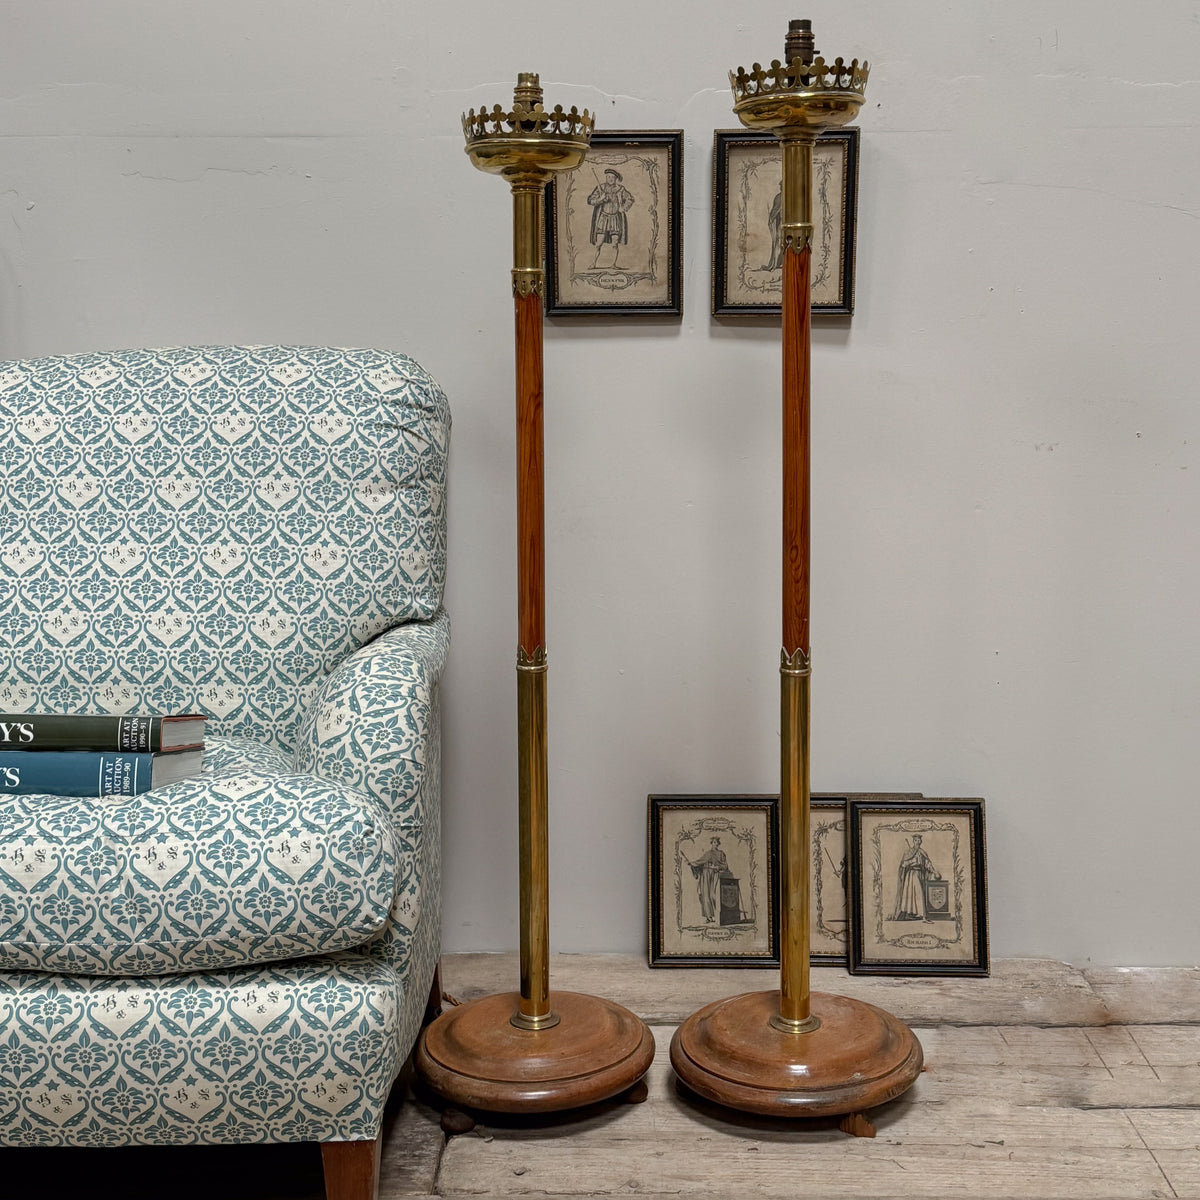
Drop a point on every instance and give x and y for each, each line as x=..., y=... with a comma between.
x=1042, y=1081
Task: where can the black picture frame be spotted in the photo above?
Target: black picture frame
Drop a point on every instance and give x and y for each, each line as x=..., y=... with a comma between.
x=649, y=169
x=914, y=916
x=742, y=285
x=750, y=826
x=829, y=895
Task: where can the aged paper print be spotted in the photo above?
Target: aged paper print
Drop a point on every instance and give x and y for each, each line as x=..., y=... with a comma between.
x=828, y=920
x=754, y=254
x=918, y=896
x=715, y=881
x=612, y=228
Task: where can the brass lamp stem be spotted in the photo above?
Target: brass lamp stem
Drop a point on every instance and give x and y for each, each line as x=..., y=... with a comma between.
x=791, y=1052
x=510, y=1052
x=796, y=230
x=796, y=209
x=794, y=817
x=533, y=1011
x=533, y=788
x=794, y=1014
x=526, y=146
x=528, y=198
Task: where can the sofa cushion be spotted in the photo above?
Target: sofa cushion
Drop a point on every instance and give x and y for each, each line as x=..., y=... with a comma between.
x=212, y=528
x=248, y=863
x=284, y=1052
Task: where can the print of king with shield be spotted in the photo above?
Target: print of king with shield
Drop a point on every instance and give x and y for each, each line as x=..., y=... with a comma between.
x=918, y=898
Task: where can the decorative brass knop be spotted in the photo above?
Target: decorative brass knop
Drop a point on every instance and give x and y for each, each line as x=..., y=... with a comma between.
x=801, y=95
x=818, y=94
x=527, y=146
x=798, y=664
x=527, y=142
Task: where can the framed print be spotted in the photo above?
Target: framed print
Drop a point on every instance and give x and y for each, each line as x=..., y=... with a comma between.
x=747, y=197
x=918, y=891
x=714, y=879
x=829, y=916
x=829, y=920
x=614, y=228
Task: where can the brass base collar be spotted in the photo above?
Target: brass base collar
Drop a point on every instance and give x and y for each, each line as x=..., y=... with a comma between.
x=810, y=1024
x=525, y=1021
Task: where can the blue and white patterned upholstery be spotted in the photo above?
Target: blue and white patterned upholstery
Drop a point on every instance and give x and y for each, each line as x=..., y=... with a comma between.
x=258, y=534
x=212, y=528
x=234, y=867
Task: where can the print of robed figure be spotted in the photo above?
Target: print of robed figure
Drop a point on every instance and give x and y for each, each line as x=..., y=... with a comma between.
x=775, y=224
x=915, y=868
x=708, y=870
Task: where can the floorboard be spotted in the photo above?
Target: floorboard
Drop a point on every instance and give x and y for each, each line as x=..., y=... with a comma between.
x=1018, y=992
x=1042, y=1081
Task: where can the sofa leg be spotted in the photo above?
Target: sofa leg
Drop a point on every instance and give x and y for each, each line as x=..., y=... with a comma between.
x=351, y=1169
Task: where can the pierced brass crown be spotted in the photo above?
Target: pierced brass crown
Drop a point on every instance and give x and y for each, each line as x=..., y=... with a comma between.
x=803, y=94
x=522, y=122
x=527, y=143
x=799, y=76
x=527, y=118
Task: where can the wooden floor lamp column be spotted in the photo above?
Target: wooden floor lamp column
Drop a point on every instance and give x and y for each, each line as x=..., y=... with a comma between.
x=791, y=1052
x=534, y=1050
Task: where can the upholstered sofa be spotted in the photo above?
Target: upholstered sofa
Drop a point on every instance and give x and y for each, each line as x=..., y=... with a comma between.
x=258, y=534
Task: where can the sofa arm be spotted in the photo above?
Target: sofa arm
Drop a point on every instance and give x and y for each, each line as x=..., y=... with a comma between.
x=374, y=721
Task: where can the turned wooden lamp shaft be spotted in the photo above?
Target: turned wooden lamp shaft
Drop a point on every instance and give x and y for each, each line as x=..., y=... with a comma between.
x=531, y=498
x=797, y=270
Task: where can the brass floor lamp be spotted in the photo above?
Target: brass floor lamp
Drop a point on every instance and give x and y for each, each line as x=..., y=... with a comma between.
x=791, y=1052
x=532, y=1050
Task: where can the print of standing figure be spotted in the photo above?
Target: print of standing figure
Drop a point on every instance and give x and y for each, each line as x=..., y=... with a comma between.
x=775, y=224
x=915, y=868
x=610, y=201
x=709, y=869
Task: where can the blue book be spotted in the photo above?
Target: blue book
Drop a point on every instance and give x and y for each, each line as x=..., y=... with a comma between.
x=93, y=773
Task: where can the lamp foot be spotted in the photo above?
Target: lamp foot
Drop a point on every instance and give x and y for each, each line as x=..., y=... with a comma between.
x=475, y=1057
x=857, y=1124
x=455, y=1121
x=859, y=1057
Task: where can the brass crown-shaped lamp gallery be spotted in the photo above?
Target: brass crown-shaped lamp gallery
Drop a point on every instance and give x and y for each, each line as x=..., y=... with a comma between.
x=791, y=1052
x=534, y=1050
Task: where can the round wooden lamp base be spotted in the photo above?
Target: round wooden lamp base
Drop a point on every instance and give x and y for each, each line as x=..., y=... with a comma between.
x=859, y=1057
x=473, y=1056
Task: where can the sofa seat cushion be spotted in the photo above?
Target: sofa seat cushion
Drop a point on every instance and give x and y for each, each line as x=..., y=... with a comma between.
x=247, y=863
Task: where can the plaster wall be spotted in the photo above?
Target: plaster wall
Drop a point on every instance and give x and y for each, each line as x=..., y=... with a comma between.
x=1006, y=432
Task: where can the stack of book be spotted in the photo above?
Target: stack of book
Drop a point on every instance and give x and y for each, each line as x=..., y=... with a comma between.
x=97, y=755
